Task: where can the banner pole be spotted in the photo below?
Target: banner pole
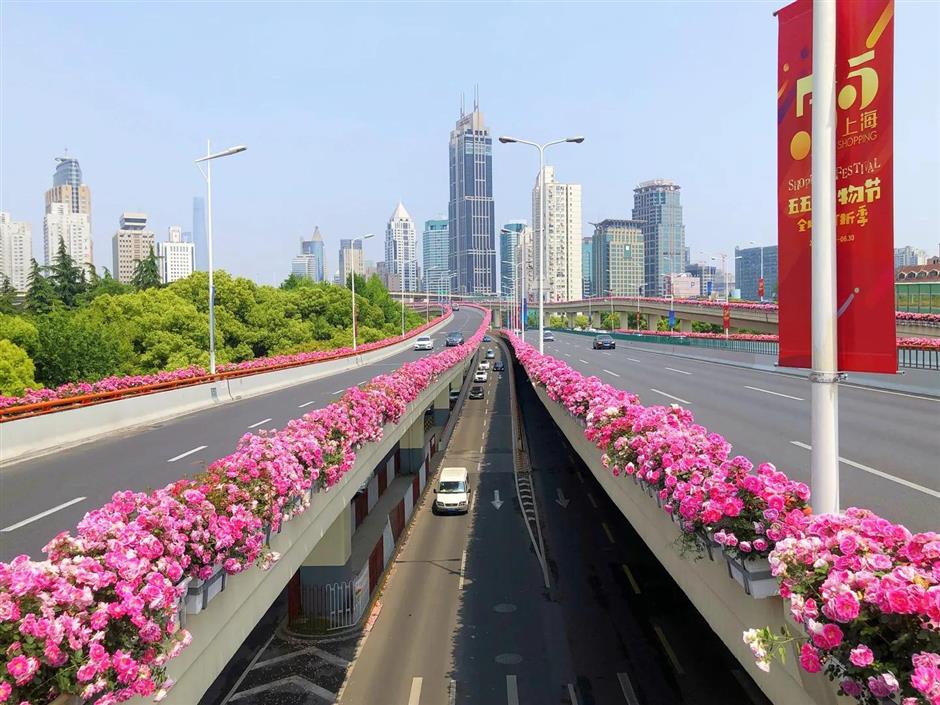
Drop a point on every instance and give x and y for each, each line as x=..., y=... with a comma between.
x=824, y=378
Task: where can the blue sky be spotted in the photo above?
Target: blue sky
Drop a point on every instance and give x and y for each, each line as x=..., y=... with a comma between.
x=346, y=108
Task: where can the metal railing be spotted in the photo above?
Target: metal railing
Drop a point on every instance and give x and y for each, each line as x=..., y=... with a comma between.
x=333, y=606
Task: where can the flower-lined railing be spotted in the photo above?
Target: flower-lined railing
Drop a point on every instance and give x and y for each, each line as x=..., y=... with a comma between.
x=903, y=342
x=37, y=400
x=865, y=591
x=100, y=617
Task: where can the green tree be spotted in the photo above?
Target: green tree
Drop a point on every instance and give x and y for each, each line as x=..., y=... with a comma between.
x=19, y=331
x=610, y=321
x=7, y=295
x=581, y=321
x=40, y=294
x=72, y=349
x=147, y=272
x=532, y=319
x=557, y=321
x=16, y=369
x=700, y=327
x=294, y=281
x=105, y=284
x=635, y=321
x=66, y=276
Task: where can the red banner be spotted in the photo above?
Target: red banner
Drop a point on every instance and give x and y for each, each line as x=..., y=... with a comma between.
x=864, y=184
x=726, y=316
x=760, y=288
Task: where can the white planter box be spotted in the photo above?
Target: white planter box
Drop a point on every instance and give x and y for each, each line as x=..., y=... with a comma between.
x=753, y=574
x=181, y=603
x=200, y=592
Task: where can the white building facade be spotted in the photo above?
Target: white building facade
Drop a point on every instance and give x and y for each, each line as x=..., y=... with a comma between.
x=562, y=237
x=131, y=243
x=16, y=250
x=401, y=257
x=74, y=229
x=177, y=258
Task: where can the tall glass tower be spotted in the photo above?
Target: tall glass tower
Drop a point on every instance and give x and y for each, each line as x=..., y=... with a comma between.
x=435, y=249
x=69, y=173
x=314, y=247
x=199, y=234
x=510, y=263
x=471, y=217
x=656, y=204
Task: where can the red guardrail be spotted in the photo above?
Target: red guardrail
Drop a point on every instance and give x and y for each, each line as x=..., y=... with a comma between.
x=11, y=413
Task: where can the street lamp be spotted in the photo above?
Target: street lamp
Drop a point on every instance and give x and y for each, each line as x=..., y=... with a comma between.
x=541, y=148
x=513, y=291
x=760, y=293
x=207, y=175
x=352, y=279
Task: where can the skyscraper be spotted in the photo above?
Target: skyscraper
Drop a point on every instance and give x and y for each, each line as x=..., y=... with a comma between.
x=132, y=242
x=908, y=256
x=472, y=222
x=16, y=250
x=656, y=203
x=587, y=267
x=618, y=251
x=199, y=234
x=510, y=256
x=435, y=247
x=350, y=259
x=309, y=263
x=400, y=244
x=67, y=187
x=176, y=256
x=562, y=237
x=706, y=274
x=747, y=272
x=72, y=221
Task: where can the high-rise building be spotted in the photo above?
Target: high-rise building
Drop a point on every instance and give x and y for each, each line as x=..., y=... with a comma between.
x=400, y=249
x=176, y=256
x=562, y=237
x=16, y=250
x=587, y=267
x=61, y=224
x=618, y=250
x=747, y=272
x=309, y=263
x=199, y=234
x=350, y=259
x=656, y=204
x=510, y=237
x=682, y=286
x=435, y=247
x=68, y=188
x=908, y=256
x=471, y=217
x=132, y=242
x=707, y=276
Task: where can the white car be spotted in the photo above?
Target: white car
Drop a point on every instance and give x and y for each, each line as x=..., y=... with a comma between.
x=453, y=491
x=424, y=342
x=485, y=365
x=480, y=376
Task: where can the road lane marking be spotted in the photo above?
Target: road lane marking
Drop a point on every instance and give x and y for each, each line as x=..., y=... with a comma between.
x=463, y=567
x=414, y=696
x=610, y=536
x=36, y=517
x=308, y=403
x=885, y=391
x=632, y=359
x=606, y=353
x=626, y=687
x=567, y=354
x=583, y=361
x=681, y=372
x=683, y=401
x=512, y=691
x=879, y=473
x=633, y=583
x=776, y=394
x=255, y=425
x=669, y=652
x=452, y=692
x=592, y=500
x=572, y=696
x=613, y=374
x=183, y=455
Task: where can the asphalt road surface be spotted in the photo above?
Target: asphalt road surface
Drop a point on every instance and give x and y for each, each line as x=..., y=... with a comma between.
x=889, y=441
x=466, y=618
x=41, y=497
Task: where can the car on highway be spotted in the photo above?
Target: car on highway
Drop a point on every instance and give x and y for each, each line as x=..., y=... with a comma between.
x=604, y=342
x=453, y=339
x=454, y=395
x=476, y=392
x=456, y=307
x=485, y=365
x=548, y=336
x=424, y=342
x=480, y=376
x=499, y=366
x=453, y=492
x=490, y=354
x=487, y=339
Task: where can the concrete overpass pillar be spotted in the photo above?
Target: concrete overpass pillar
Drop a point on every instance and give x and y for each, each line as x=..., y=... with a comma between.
x=335, y=545
x=411, y=447
x=442, y=407
x=685, y=325
x=652, y=321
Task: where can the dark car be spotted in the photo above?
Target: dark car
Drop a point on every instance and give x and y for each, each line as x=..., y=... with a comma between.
x=499, y=366
x=487, y=339
x=604, y=342
x=476, y=392
x=453, y=339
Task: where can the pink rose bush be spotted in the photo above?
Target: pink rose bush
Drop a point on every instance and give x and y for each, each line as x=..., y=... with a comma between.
x=866, y=590
x=99, y=617
x=194, y=372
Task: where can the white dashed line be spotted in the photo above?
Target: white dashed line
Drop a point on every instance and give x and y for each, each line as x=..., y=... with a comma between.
x=512, y=691
x=610, y=536
x=592, y=500
x=613, y=374
x=463, y=567
x=585, y=362
x=681, y=372
x=632, y=359
x=414, y=697
x=682, y=401
x=878, y=473
x=776, y=394
x=255, y=425
x=633, y=583
x=36, y=517
x=668, y=649
x=183, y=455
x=626, y=688
x=308, y=403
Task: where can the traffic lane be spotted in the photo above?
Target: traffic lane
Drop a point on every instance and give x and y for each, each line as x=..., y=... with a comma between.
x=628, y=624
x=142, y=459
x=765, y=418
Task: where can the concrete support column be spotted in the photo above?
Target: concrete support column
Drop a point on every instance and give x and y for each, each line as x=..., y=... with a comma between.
x=335, y=545
x=685, y=325
x=442, y=407
x=411, y=446
x=652, y=321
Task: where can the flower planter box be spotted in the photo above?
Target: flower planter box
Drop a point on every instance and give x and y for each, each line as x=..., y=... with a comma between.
x=201, y=592
x=753, y=574
x=181, y=602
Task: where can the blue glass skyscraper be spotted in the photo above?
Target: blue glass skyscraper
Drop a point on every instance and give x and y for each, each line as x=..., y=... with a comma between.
x=509, y=265
x=314, y=247
x=656, y=204
x=199, y=234
x=435, y=249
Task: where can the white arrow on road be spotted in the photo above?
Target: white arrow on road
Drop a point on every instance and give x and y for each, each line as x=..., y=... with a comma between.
x=496, y=501
x=562, y=500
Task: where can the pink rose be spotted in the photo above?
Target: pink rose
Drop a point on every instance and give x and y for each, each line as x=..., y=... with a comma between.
x=861, y=656
x=883, y=686
x=851, y=687
x=809, y=659
x=23, y=668
x=843, y=607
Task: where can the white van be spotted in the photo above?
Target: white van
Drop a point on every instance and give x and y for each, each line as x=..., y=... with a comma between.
x=453, y=492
